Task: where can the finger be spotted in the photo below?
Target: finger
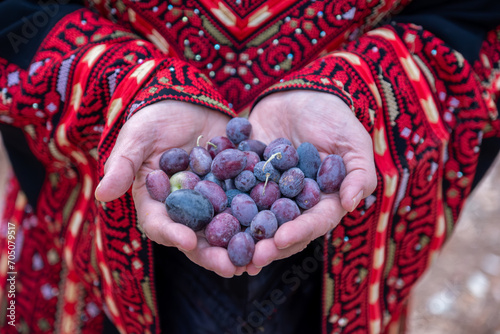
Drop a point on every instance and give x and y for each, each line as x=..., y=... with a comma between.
x=252, y=270
x=212, y=258
x=158, y=226
x=293, y=236
x=125, y=159
x=266, y=252
x=359, y=182
x=313, y=223
x=154, y=219
x=239, y=271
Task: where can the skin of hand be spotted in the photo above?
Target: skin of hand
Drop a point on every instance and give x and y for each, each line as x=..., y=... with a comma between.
x=327, y=122
x=140, y=143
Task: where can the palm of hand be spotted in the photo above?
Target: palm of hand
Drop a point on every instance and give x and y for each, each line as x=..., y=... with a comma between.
x=137, y=151
x=326, y=122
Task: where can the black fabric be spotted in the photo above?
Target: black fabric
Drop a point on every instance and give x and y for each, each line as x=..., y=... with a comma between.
x=28, y=170
x=463, y=25
x=460, y=23
x=24, y=25
x=108, y=327
x=489, y=150
x=284, y=298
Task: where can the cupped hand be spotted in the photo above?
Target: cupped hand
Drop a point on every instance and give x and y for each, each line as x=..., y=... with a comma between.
x=140, y=143
x=327, y=122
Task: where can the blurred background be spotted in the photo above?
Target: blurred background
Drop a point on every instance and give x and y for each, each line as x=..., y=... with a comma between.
x=460, y=293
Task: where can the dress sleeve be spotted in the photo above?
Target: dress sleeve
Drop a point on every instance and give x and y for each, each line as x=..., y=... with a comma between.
x=469, y=29
x=61, y=62
x=67, y=87
x=428, y=109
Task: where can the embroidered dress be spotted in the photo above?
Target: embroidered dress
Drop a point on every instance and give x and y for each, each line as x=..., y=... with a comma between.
x=426, y=107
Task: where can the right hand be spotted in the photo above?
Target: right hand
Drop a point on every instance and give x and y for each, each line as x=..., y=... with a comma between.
x=140, y=143
x=328, y=123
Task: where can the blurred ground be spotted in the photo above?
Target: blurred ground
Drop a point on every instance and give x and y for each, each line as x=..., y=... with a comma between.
x=460, y=294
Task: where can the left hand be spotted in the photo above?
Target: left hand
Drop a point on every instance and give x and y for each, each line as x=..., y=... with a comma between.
x=139, y=145
x=327, y=122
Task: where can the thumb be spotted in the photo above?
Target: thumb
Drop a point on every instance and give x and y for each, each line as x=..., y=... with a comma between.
x=357, y=185
x=361, y=178
x=122, y=165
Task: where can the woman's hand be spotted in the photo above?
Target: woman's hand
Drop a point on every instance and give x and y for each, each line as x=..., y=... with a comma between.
x=140, y=143
x=327, y=122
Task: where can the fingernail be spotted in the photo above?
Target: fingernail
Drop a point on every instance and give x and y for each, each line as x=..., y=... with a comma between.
x=255, y=274
x=182, y=249
x=97, y=188
x=260, y=267
x=283, y=247
x=355, y=200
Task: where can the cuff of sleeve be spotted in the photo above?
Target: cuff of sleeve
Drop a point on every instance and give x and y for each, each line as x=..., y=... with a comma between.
x=334, y=74
x=176, y=80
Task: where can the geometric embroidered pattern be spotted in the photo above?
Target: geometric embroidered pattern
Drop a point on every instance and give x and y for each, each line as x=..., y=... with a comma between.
x=424, y=106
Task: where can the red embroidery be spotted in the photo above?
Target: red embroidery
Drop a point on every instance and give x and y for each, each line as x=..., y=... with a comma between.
x=80, y=259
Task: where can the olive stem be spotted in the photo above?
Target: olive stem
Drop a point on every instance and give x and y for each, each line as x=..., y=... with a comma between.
x=265, y=184
x=198, y=140
x=275, y=155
